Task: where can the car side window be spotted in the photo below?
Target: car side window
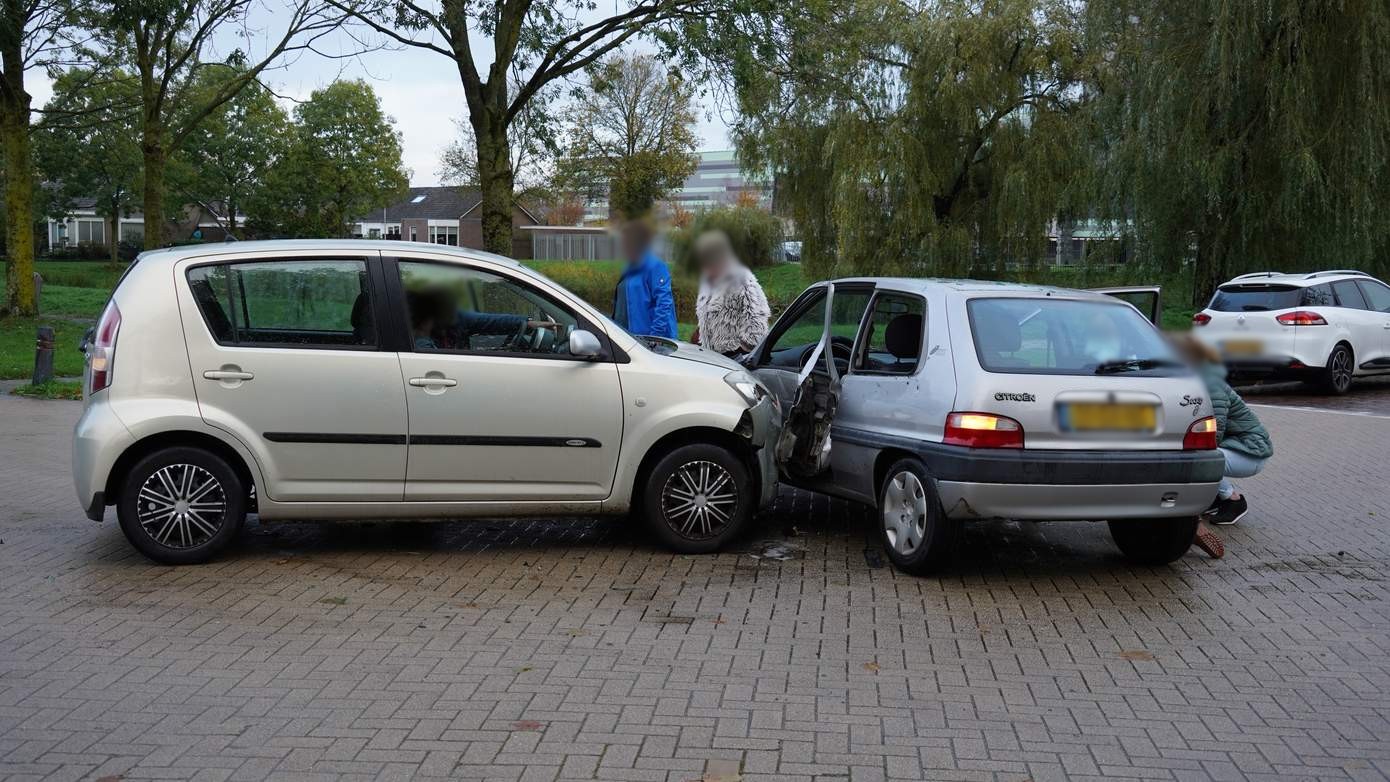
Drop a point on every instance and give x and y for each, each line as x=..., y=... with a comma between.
x=1318, y=296
x=793, y=344
x=299, y=303
x=892, y=340
x=1348, y=295
x=1377, y=295
x=457, y=309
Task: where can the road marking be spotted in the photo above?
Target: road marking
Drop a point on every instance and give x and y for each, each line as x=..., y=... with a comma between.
x=1358, y=413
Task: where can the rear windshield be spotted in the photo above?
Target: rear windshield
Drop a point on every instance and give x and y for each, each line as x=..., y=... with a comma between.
x=1067, y=337
x=1262, y=298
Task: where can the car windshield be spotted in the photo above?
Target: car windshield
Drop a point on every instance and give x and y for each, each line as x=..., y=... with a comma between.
x=1067, y=337
x=1255, y=298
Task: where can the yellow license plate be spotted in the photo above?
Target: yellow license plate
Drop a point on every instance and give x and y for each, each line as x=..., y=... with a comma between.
x=1082, y=417
x=1242, y=347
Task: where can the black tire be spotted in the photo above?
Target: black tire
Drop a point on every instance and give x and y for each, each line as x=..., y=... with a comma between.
x=912, y=526
x=1154, y=541
x=687, y=520
x=177, y=533
x=1336, y=377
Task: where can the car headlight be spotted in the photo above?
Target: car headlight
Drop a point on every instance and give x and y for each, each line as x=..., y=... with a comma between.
x=747, y=387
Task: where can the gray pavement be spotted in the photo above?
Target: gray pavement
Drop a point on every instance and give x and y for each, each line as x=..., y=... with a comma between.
x=574, y=649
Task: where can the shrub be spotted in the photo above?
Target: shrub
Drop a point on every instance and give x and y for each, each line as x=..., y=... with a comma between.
x=594, y=282
x=755, y=234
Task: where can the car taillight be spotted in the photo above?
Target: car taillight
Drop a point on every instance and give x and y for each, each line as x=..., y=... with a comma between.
x=1201, y=435
x=1301, y=318
x=983, y=430
x=101, y=354
x=1201, y=319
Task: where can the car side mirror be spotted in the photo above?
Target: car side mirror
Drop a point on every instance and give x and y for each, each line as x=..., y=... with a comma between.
x=584, y=344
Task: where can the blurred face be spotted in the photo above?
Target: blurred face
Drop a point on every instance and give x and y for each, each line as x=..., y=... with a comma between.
x=634, y=245
x=713, y=261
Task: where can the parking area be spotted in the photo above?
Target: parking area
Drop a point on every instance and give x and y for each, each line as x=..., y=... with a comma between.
x=575, y=649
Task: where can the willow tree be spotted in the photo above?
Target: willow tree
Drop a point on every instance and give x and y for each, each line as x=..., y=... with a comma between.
x=931, y=138
x=31, y=33
x=1248, y=136
x=167, y=44
x=542, y=40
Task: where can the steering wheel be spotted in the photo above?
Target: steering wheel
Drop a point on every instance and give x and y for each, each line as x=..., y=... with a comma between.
x=841, y=350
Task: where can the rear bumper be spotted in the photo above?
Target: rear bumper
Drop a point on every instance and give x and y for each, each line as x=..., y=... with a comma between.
x=1097, y=502
x=1041, y=484
x=1270, y=367
x=98, y=440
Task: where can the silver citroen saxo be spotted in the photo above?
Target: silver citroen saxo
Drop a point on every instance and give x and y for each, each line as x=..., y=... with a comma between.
x=943, y=401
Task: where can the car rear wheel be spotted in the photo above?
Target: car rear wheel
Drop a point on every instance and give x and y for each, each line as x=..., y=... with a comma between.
x=698, y=498
x=1154, y=541
x=1336, y=378
x=915, y=531
x=181, y=505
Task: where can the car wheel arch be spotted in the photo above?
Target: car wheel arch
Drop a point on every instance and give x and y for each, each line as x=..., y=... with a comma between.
x=138, y=450
x=885, y=459
x=730, y=441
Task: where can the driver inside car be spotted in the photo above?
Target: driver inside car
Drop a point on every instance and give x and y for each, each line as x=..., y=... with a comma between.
x=431, y=307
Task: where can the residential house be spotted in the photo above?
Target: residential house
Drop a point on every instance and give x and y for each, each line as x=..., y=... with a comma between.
x=442, y=215
x=81, y=225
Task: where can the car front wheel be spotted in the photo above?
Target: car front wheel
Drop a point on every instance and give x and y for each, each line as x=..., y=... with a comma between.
x=698, y=498
x=181, y=505
x=915, y=531
x=1154, y=541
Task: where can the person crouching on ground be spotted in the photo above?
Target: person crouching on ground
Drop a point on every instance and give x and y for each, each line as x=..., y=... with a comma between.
x=1240, y=436
x=731, y=311
x=643, y=303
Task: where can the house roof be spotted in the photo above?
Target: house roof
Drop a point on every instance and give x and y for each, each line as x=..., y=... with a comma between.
x=428, y=203
x=431, y=203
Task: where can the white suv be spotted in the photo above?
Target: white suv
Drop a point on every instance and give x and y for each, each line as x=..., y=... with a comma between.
x=1324, y=327
x=371, y=379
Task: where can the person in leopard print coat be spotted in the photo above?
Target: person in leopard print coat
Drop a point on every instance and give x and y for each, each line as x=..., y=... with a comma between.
x=731, y=310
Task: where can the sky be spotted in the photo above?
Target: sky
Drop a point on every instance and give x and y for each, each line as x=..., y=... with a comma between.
x=419, y=89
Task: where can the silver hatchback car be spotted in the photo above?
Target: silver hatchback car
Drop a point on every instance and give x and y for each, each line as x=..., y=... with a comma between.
x=940, y=401
x=369, y=379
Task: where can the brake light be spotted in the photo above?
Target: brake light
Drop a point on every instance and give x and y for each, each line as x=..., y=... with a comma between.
x=1301, y=318
x=1201, y=319
x=983, y=430
x=101, y=354
x=1201, y=435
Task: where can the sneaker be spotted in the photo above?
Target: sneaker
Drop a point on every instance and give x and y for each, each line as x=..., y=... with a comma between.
x=1229, y=512
x=1209, y=542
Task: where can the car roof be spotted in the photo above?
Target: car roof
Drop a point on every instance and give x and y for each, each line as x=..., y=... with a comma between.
x=971, y=288
x=1296, y=279
x=211, y=249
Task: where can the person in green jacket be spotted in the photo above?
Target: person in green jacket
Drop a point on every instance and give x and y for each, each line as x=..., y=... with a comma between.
x=1240, y=436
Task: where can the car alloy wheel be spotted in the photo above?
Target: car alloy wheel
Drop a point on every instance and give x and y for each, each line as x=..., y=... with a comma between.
x=905, y=512
x=1341, y=369
x=181, y=506
x=699, y=500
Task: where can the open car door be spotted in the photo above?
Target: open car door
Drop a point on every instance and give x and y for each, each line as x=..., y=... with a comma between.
x=801, y=362
x=1145, y=297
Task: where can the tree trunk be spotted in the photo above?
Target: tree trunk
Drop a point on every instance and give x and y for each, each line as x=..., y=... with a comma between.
x=20, y=295
x=496, y=180
x=152, y=149
x=113, y=238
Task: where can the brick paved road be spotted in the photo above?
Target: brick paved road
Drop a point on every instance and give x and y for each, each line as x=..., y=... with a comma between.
x=574, y=650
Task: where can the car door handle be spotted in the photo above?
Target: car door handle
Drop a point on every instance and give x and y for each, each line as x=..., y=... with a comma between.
x=432, y=382
x=228, y=374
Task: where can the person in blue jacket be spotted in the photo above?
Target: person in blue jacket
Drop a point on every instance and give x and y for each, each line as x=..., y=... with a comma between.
x=643, y=302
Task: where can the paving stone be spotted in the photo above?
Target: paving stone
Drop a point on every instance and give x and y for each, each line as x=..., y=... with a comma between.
x=575, y=649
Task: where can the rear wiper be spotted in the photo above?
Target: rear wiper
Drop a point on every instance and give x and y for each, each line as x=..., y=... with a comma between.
x=1133, y=364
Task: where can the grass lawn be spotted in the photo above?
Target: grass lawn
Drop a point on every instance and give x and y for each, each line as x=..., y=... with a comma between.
x=17, y=346
x=53, y=389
